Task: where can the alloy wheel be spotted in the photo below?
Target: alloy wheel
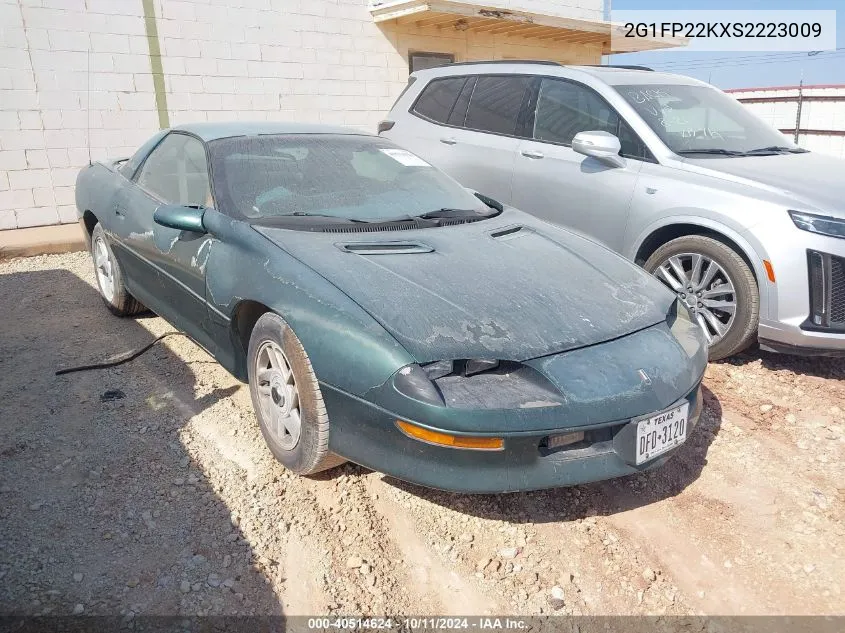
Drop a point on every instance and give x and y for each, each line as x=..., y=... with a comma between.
x=278, y=395
x=705, y=288
x=104, y=268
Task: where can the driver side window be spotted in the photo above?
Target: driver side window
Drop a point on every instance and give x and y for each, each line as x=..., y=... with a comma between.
x=565, y=108
x=176, y=172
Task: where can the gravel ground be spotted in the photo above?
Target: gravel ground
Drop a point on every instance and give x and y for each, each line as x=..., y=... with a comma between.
x=147, y=489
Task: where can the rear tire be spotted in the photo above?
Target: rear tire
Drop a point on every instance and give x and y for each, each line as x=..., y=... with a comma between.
x=287, y=399
x=732, y=271
x=110, y=280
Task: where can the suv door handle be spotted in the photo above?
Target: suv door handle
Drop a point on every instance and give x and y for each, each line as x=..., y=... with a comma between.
x=449, y=140
x=530, y=153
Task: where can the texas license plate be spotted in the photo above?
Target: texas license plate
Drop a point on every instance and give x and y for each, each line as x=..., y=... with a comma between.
x=661, y=432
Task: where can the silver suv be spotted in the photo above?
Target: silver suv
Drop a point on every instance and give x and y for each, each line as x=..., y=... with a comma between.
x=746, y=227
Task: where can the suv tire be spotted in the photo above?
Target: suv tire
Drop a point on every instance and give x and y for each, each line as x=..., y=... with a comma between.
x=731, y=268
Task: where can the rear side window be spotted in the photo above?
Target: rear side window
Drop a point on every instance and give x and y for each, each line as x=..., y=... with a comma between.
x=459, y=111
x=438, y=98
x=495, y=104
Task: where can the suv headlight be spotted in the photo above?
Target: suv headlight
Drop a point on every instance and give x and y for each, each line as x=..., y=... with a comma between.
x=821, y=224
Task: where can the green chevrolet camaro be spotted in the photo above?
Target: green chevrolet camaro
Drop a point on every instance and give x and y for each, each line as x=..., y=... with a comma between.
x=383, y=314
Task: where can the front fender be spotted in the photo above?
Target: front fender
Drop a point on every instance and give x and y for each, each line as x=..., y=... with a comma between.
x=348, y=349
x=753, y=250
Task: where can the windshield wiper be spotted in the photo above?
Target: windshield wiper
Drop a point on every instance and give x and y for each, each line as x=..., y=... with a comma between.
x=761, y=151
x=776, y=149
x=449, y=213
x=431, y=218
x=306, y=214
x=722, y=152
x=425, y=220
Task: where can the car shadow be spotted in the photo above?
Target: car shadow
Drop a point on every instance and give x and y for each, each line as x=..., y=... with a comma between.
x=103, y=511
x=595, y=499
x=817, y=366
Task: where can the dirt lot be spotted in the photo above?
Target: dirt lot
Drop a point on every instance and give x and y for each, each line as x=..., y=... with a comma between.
x=146, y=489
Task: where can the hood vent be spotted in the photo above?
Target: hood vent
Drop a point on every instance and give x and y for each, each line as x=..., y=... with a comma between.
x=385, y=248
x=509, y=232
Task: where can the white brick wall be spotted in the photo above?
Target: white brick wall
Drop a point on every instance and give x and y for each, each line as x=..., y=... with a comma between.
x=45, y=106
x=304, y=60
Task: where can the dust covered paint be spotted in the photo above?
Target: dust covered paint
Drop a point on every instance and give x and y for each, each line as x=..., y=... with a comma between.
x=559, y=330
x=541, y=291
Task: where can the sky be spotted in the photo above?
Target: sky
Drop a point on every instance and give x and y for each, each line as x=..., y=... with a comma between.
x=743, y=69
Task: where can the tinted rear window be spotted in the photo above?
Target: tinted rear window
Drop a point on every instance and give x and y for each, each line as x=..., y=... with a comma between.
x=438, y=98
x=459, y=111
x=495, y=104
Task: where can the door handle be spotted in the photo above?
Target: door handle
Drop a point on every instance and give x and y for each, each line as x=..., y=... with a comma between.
x=448, y=141
x=530, y=153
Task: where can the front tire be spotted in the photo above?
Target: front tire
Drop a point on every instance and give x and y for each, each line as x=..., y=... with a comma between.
x=286, y=398
x=110, y=280
x=714, y=281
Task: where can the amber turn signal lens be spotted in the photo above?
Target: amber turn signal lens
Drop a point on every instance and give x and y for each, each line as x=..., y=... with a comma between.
x=770, y=272
x=452, y=441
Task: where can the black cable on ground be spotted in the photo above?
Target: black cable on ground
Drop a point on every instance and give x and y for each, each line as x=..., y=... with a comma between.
x=115, y=363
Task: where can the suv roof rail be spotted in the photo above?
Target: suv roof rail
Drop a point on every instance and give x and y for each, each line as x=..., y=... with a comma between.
x=545, y=62
x=622, y=66
x=541, y=62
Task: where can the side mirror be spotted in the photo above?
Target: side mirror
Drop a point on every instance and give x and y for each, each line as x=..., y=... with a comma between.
x=175, y=216
x=603, y=146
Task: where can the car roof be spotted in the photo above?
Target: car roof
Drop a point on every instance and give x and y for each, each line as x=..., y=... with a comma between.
x=627, y=76
x=611, y=75
x=209, y=131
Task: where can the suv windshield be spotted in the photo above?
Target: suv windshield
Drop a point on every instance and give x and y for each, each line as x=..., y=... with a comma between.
x=693, y=119
x=335, y=176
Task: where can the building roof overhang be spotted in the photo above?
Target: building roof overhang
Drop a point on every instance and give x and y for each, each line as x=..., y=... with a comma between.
x=464, y=15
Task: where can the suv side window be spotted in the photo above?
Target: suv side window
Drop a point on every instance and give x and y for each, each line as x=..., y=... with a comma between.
x=565, y=108
x=459, y=110
x=438, y=98
x=496, y=102
x=176, y=172
x=632, y=145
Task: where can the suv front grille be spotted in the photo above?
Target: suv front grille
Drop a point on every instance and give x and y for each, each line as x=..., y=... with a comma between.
x=837, y=291
x=827, y=291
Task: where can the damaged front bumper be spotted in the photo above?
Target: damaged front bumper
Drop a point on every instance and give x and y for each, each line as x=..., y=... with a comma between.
x=369, y=436
x=605, y=389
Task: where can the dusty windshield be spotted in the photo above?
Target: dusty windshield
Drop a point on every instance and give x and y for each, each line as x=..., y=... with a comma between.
x=330, y=176
x=701, y=119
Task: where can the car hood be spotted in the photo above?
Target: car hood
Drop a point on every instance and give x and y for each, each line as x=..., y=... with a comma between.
x=509, y=288
x=813, y=180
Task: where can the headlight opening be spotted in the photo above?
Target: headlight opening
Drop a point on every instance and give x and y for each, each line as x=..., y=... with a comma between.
x=820, y=224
